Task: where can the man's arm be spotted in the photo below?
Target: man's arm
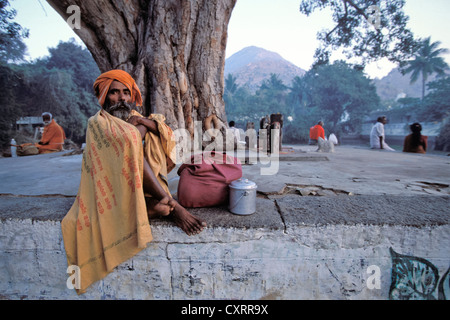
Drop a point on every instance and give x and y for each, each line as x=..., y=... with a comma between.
x=381, y=142
x=47, y=136
x=144, y=125
x=322, y=133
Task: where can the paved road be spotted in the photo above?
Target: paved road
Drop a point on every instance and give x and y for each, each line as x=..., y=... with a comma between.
x=410, y=189
x=349, y=169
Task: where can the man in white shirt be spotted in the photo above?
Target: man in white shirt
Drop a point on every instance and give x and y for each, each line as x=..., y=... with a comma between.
x=377, y=138
x=236, y=132
x=237, y=135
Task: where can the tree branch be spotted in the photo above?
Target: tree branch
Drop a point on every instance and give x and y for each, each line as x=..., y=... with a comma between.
x=358, y=9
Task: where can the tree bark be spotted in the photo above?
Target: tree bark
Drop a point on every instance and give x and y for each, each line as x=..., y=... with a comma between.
x=174, y=49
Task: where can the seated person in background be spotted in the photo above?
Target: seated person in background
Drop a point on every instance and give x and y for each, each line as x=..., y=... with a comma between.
x=377, y=136
x=235, y=131
x=237, y=135
x=315, y=132
x=53, y=136
x=415, y=142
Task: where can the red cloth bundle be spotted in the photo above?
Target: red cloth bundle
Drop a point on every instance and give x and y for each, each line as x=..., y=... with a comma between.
x=204, y=182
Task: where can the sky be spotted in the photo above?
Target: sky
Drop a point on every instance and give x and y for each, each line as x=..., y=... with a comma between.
x=274, y=25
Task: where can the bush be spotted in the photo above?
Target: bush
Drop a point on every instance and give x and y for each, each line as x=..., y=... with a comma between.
x=443, y=140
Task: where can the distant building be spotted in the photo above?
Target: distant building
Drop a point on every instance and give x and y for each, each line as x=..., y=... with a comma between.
x=31, y=124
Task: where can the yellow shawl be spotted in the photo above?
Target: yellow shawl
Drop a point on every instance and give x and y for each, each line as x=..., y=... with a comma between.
x=108, y=222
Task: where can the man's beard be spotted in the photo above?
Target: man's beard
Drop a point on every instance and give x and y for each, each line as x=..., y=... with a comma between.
x=120, y=110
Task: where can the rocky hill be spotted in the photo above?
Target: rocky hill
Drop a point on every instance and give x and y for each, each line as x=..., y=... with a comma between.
x=252, y=65
x=395, y=85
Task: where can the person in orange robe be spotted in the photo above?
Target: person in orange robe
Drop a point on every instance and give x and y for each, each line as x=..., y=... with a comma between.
x=123, y=183
x=316, y=132
x=53, y=136
x=114, y=90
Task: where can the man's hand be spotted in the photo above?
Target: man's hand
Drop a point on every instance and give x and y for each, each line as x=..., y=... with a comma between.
x=134, y=120
x=144, y=125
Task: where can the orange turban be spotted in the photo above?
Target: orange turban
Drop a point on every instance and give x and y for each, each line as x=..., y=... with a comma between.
x=103, y=82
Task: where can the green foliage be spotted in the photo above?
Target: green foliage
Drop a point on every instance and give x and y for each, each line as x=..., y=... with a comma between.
x=12, y=47
x=437, y=104
x=337, y=94
x=230, y=84
x=242, y=106
x=59, y=95
x=434, y=107
x=342, y=96
x=60, y=84
x=443, y=140
x=10, y=82
x=366, y=30
x=427, y=61
x=78, y=62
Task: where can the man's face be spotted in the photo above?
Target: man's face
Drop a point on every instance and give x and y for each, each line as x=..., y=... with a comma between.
x=384, y=120
x=46, y=120
x=118, y=101
x=118, y=92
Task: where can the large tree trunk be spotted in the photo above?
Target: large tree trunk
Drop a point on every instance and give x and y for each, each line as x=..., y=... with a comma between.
x=175, y=49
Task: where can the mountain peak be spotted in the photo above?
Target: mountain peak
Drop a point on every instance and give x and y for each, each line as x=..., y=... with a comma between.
x=252, y=65
x=249, y=55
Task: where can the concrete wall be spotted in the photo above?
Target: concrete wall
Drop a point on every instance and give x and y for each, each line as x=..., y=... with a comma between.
x=402, y=129
x=396, y=132
x=283, y=251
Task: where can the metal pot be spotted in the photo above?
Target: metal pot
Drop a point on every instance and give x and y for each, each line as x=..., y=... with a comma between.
x=242, y=197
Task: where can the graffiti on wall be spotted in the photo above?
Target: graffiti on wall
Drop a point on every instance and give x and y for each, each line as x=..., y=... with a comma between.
x=415, y=278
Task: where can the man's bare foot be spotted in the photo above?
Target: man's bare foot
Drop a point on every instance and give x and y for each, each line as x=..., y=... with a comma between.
x=156, y=209
x=186, y=221
x=168, y=207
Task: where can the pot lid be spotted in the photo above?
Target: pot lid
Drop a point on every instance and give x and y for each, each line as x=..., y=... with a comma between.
x=243, y=184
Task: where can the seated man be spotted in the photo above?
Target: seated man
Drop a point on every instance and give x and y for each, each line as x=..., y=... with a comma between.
x=53, y=136
x=377, y=136
x=123, y=182
x=316, y=132
x=236, y=135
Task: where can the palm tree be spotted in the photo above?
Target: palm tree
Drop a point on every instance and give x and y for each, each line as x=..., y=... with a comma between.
x=273, y=83
x=230, y=84
x=427, y=62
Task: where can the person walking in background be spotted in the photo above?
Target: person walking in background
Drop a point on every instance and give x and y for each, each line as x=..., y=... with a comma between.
x=415, y=142
x=315, y=132
x=377, y=138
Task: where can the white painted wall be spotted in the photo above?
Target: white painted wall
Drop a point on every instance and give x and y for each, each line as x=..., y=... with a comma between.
x=311, y=262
